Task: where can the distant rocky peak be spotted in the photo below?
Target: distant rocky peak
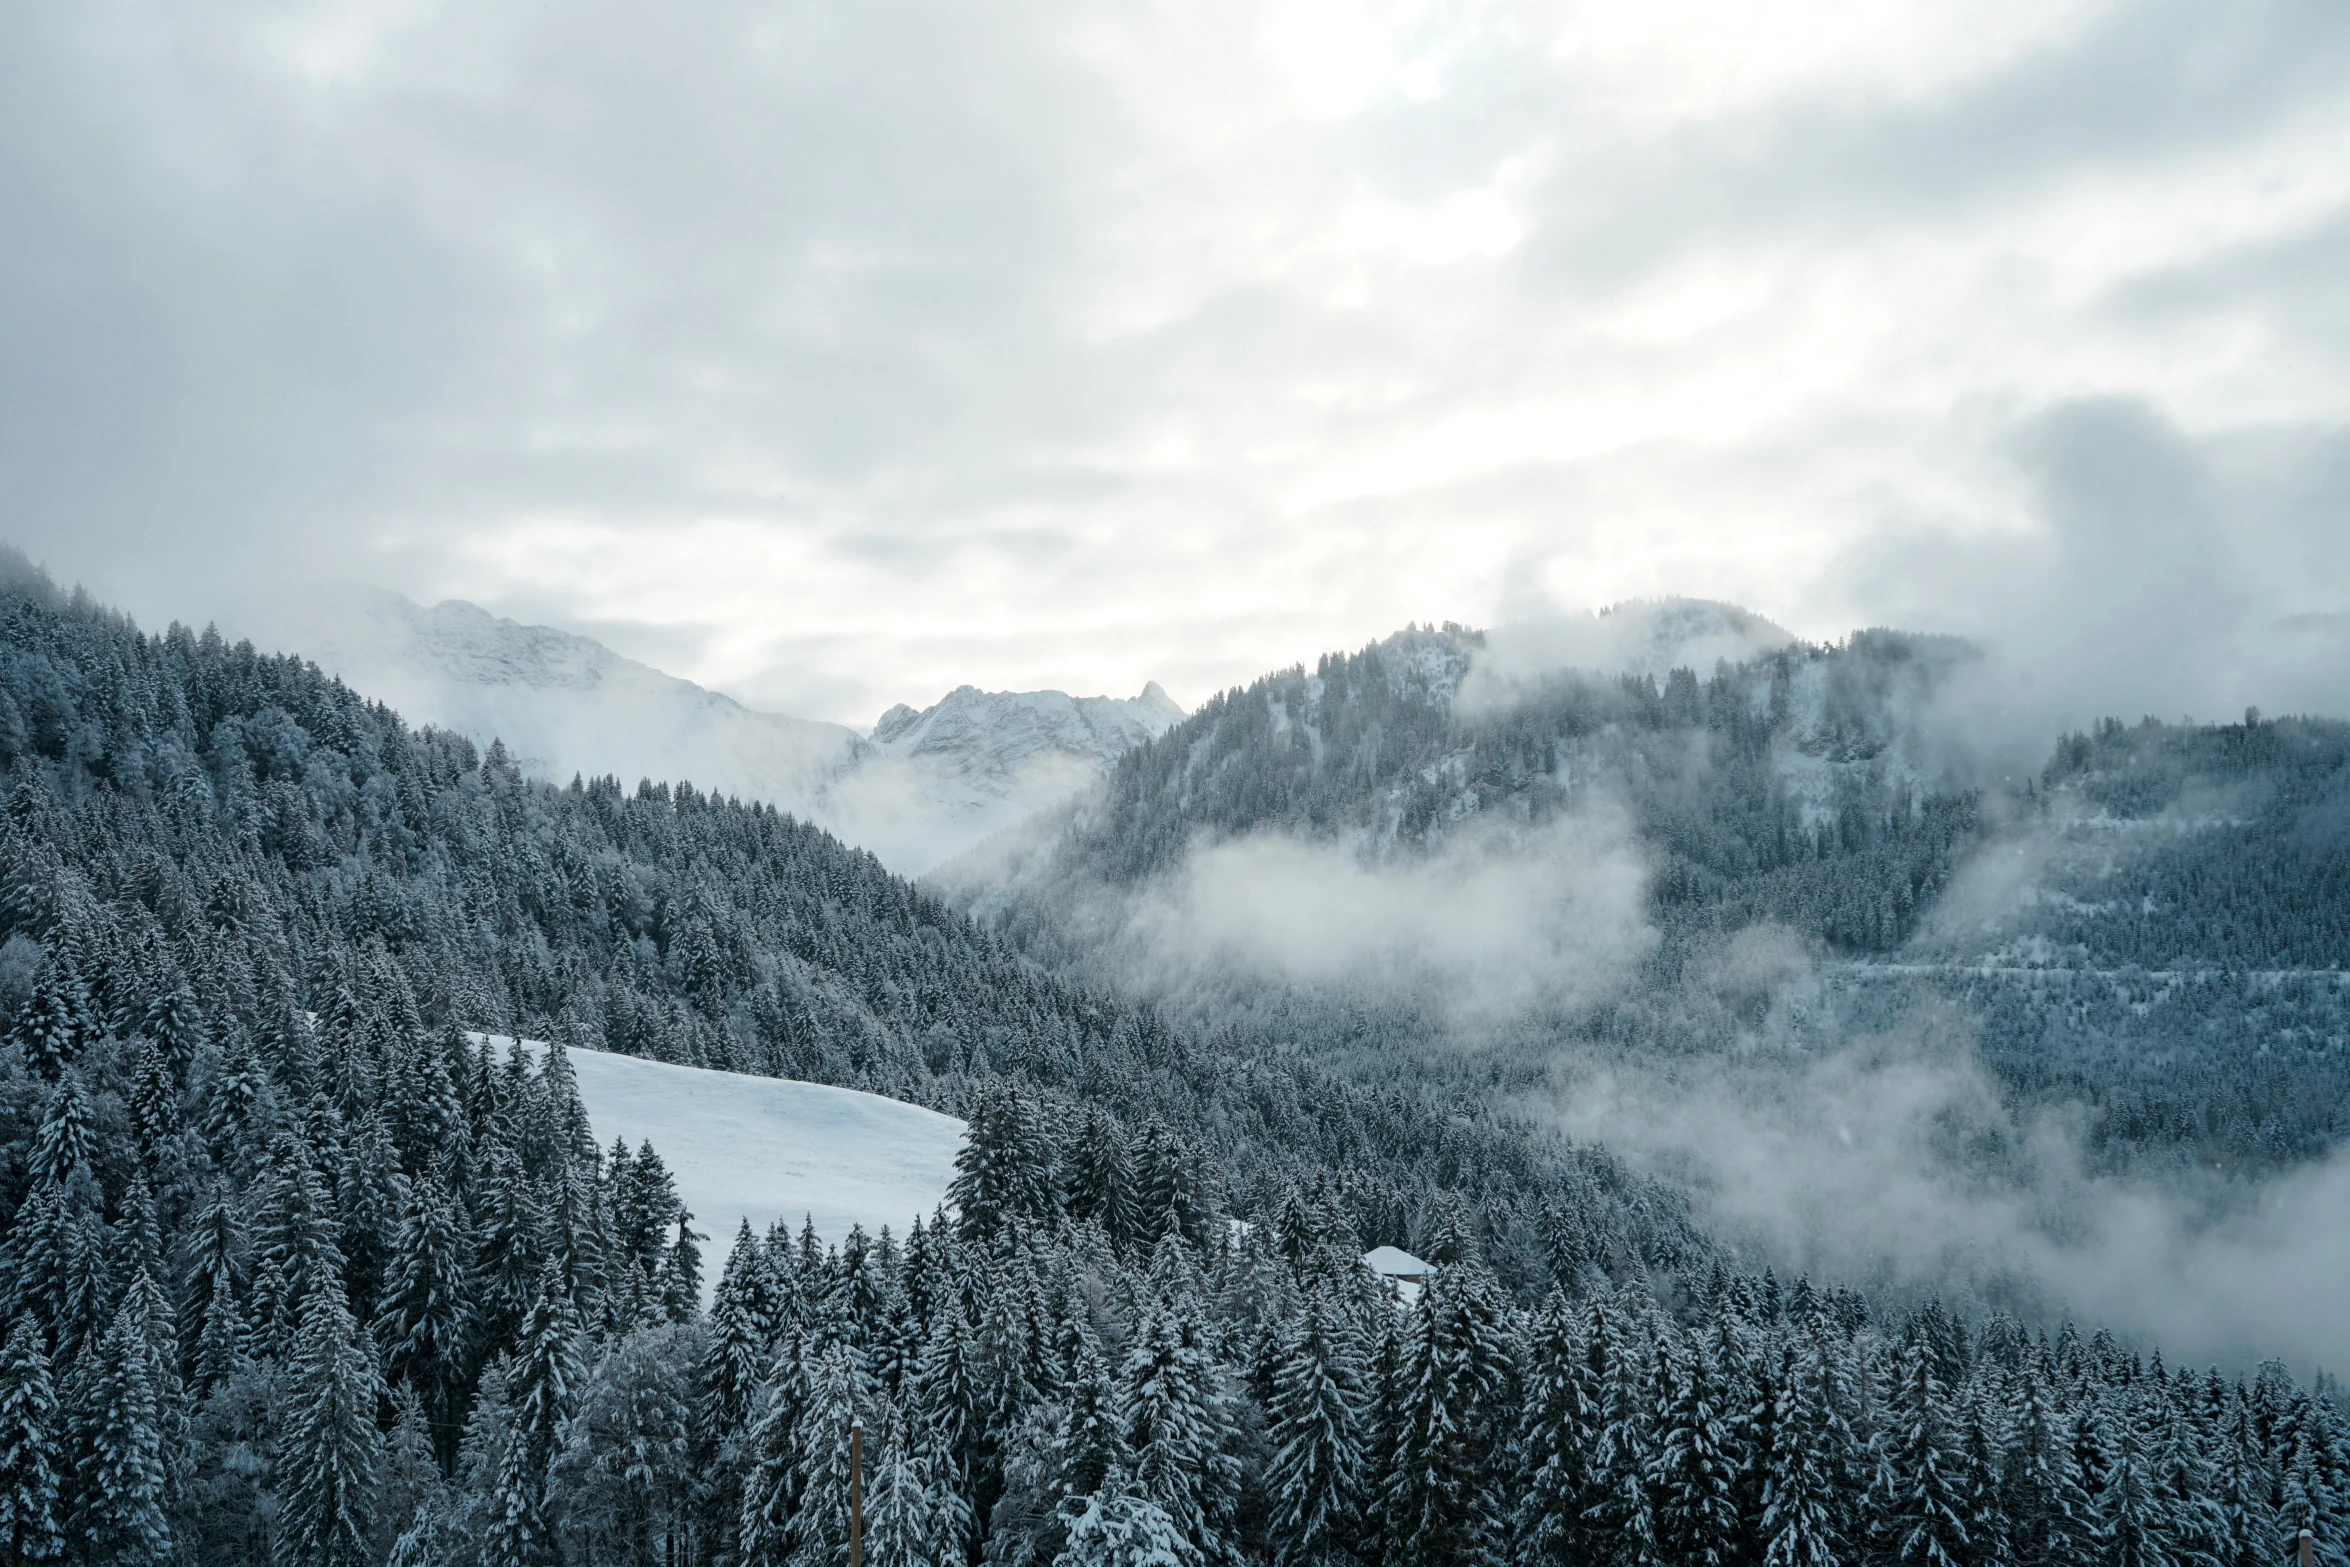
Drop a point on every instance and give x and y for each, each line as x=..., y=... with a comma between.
x=894, y=723
x=1156, y=704
x=1009, y=728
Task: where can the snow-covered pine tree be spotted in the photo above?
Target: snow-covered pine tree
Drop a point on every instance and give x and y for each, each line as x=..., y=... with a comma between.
x=1175, y=1417
x=1117, y=1526
x=1171, y=1196
x=63, y=1143
x=837, y=1403
x=408, y=1476
x=424, y=1324
x=369, y=1199
x=913, y=1516
x=1442, y=1503
x=771, y=1459
x=897, y=1498
x=2316, y=1490
x=517, y=1532
x=296, y=1242
x=1004, y=1174
x=1692, y=1470
x=1804, y=1508
x=1922, y=1517
x=330, y=1448
x=2240, y=1480
x=1315, y=1476
x=509, y=1240
x=1557, y=1433
x=419, y=1545
x=2048, y=1510
x=117, y=1512
x=624, y=1478
x=1622, y=1508
x=547, y=1373
x=154, y=1098
x=734, y=1353
x=644, y=1204
x=1100, y=1176
x=51, y=1028
x=2186, y=1484
x=31, y=1527
x=681, y=1272
x=212, y=1247
x=1982, y=1441
x=56, y=1261
x=2132, y=1528
x=946, y=1382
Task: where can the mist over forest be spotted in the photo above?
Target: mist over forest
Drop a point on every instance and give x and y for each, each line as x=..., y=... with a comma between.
x=1802, y=1144
x=1779, y=933
x=1288, y=783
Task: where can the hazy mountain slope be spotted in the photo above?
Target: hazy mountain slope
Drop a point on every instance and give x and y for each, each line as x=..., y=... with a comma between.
x=928, y=786
x=2163, y=846
x=1794, y=787
x=193, y=819
x=565, y=704
x=2160, y=928
x=2154, y=929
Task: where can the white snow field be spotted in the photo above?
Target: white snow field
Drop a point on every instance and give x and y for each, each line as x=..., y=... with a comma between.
x=768, y=1148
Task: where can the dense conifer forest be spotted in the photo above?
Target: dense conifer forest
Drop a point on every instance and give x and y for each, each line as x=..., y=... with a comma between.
x=298, y=1269
x=2178, y=973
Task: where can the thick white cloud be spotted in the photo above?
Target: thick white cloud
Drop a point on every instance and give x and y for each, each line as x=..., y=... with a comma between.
x=842, y=353
x=1499, y=921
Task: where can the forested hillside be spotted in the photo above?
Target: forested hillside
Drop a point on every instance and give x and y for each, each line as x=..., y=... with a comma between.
x=2223, y=846
x=1788, y=788
x=195, y=825
x=294, y=1273
x=2166, y=950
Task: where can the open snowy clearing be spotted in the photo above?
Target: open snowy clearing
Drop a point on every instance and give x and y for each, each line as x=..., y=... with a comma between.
x=767, y=1148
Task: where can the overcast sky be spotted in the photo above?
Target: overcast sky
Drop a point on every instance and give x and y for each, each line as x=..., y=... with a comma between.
x=838, y=353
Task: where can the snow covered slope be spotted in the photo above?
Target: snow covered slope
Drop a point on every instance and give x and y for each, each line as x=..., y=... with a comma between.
x=929, y=785
x=768, y=1149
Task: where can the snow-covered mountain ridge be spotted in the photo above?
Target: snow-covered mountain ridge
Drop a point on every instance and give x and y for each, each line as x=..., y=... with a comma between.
x=563, y=703
x=1001, y=731
x=929, y=784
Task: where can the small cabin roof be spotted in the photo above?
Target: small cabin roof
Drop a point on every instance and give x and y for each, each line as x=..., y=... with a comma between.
x=1395, y=1263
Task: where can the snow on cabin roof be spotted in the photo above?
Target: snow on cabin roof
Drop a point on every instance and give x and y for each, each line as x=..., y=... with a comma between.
x=1394, y=1262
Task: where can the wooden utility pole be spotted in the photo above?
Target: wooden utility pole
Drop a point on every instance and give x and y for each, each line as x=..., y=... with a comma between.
x=857, y=1496
x=2308, y=1549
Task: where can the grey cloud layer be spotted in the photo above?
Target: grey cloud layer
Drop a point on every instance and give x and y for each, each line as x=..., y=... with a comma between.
x=1897, y=1160
x=844, y=353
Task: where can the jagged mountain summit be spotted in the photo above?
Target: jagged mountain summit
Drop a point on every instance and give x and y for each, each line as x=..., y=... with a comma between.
x=938, y=781
x=996, y=733
x=927, y=786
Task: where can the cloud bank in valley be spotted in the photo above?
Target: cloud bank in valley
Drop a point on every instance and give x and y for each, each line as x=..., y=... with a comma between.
x=1498, y=921
x=1897, y=1160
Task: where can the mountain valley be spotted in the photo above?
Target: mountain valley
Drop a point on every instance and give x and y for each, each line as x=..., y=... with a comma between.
x=1739, y=1068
